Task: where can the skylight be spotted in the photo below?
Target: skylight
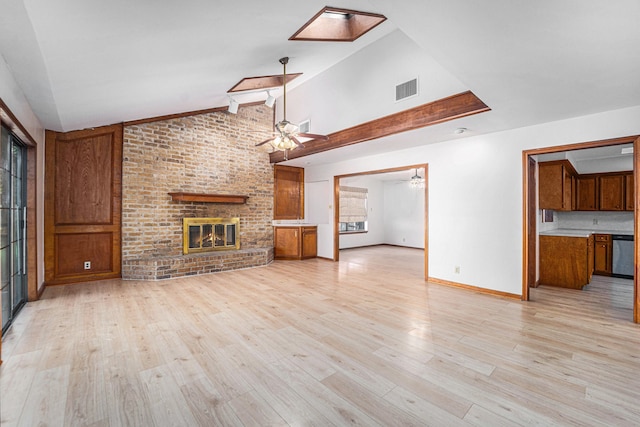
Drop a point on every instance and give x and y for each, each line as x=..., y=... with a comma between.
x=264, y=82
x=338, y=25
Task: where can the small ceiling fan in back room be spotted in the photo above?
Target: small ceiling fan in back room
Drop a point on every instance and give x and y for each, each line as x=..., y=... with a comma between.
x=286, y=136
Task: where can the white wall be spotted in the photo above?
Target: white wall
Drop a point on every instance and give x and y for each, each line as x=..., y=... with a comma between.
x=12, y=96
x=319, y=210
x=403, y=215
x=475, y=194
x=362, y=87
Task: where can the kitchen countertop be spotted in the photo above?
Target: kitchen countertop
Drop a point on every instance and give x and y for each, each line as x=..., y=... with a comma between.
x=571, y=232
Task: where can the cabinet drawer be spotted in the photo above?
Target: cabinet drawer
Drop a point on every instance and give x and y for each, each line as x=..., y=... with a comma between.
x=603, y=237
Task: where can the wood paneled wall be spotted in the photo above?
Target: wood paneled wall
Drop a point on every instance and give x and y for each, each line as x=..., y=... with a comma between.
x=83, y=199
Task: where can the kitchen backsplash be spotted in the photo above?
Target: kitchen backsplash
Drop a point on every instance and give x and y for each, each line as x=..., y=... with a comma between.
x=597, y=220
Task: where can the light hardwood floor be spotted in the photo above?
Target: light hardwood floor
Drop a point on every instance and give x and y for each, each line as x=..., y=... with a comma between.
x=360, y=342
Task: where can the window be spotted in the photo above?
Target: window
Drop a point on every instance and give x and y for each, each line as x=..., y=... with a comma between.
x=353, y=210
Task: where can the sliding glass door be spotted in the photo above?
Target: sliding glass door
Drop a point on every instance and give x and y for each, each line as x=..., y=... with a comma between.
x=13, y=276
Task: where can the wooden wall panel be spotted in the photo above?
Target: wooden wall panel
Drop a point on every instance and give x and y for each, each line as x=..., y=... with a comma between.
x=84, y=169
x=83, y=199
x=78, y=248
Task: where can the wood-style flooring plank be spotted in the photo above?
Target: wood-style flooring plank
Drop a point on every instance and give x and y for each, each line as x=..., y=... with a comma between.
x=361, y=342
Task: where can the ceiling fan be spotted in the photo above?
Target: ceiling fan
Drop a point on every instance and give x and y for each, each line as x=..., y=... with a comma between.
x=286, y=136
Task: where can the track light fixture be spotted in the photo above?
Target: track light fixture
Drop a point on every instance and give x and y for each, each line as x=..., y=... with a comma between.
x=233, y=106
x=270, y=100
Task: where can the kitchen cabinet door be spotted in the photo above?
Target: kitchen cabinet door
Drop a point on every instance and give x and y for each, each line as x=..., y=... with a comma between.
x=587, y=196
x=555, y=185
x=611, y=192
x=287, y=242
x=602, y=256
x=629, y=190
x=309, y=242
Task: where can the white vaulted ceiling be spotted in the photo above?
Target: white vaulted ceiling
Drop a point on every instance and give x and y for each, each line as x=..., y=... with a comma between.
x=85, y=63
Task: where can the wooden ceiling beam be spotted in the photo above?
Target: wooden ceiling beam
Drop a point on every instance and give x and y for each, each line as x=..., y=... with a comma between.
x=445, y=109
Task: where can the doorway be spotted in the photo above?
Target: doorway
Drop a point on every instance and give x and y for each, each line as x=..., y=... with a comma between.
x=530, y=260
x=423, y=168
x=13, y=211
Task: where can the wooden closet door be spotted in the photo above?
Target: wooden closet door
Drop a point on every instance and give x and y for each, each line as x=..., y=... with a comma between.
x=83, y=198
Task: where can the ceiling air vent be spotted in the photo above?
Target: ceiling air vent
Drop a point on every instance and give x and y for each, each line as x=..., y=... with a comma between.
x=304, y=126
x=407, y=89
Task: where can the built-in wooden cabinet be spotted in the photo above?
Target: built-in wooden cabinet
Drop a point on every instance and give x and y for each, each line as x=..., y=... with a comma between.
x=629, y=190
x=561, y=188
x=566, y=261
x=611, y=192
x=602, y=254
x=586, y=194
x=296, y=242
x=555, y=185
x=288, y=194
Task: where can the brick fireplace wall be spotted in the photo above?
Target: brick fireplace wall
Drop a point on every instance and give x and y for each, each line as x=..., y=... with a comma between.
x=206, y=153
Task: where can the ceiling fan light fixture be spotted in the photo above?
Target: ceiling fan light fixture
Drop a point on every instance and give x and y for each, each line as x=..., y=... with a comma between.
x=270, y=101
x=233, y=106
x=287, y=133
x=283, y=143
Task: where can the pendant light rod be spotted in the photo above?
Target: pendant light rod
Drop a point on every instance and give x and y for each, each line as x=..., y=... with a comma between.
x=284, y=61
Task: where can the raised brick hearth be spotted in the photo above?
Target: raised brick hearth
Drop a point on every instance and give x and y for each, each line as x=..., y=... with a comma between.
x=157, y=268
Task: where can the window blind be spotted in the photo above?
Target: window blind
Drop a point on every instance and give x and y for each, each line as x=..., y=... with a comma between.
x=353, y=204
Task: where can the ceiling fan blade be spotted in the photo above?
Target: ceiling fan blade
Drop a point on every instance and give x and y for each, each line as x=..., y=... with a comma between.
x=314, y=136
x=296, y=141
x=264, y=142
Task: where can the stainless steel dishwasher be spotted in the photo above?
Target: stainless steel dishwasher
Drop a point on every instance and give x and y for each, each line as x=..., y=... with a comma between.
x=622, y=264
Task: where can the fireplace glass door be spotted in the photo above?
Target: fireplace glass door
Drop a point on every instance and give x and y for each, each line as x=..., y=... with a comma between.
x=210, y=234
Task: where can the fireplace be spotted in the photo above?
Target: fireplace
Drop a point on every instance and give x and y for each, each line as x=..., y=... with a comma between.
x=210, y=234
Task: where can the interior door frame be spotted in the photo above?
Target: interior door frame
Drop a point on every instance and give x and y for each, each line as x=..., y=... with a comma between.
x=529, y=192
x=336, y=208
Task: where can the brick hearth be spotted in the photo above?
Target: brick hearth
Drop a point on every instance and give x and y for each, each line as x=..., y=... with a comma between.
x=157, y=268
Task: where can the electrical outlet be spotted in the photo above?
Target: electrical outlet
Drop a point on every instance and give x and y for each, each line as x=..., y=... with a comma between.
x=457, y=269
x=87, y=265
x=595, y=221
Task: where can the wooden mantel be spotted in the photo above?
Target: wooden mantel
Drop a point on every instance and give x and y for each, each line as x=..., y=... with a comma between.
x=208, y=198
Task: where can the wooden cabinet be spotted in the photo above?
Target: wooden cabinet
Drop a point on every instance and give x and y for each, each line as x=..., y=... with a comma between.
x=288, y=199
x=586, y=194
x=611, y=192
x=629, y=190
x=309, y=242
x=296, y=242
x=561, y=188
x=602, y=254
x=566, y=261
x=555, y=185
